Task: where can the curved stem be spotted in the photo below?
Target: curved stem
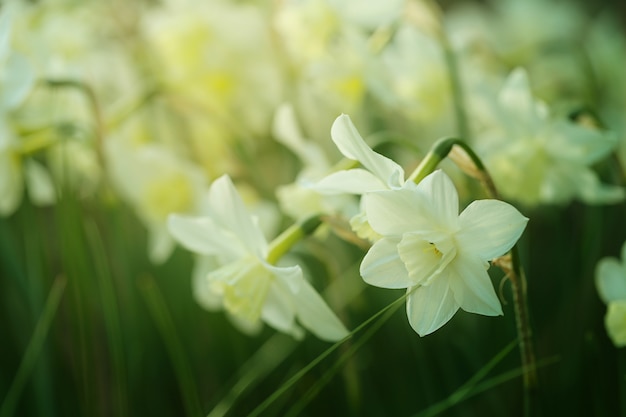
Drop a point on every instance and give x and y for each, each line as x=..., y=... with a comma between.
x=452, y=65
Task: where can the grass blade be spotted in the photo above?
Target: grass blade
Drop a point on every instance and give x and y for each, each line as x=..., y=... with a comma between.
x=34, y=347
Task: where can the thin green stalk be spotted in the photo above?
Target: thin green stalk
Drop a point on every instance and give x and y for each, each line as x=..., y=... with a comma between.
x=112, y=321
x=34, y=284
x=621, y=380
x=295, y=378
x=34, y=348
x=74, y=262
x=456, y=86
x=467, y=389
x=454, y=75
x=274, y=351
x=162, y=318
x=297, y=409
x=129, y=109
x=462, y=393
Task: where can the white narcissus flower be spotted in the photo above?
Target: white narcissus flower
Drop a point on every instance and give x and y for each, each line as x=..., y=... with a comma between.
x=426, y=244
x=611, y=285
x=251, y=289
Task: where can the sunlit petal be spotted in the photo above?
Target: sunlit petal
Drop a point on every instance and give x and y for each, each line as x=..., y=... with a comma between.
x=351, y=145
x=443, y=199
x=382, y=266
x=315, y=315
x=395, y=212
x=353, y=181
x=203, y=236
x=489, y=228
x=230, y=212
x=430, y=307
x=472, y=287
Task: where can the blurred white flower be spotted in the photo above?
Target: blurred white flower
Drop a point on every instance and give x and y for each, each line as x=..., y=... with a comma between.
x=411, y=79
x=156, y=182
x=225, y=72
x=18, y=173
x=611, y=285
x=297, y=199
x=250, y=288
x=426, y=244
x=535, y=159
x=16, y=74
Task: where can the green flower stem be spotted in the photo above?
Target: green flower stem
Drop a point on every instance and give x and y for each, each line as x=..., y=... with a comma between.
x=455, y=84
x=439, y=31
x=35, y=347
x=462, y=155
x=35, y=144
x=164, y=321
x=95, y=110
x=126, y=111
x=290, y=237
x=524, y=332
x=393, y=306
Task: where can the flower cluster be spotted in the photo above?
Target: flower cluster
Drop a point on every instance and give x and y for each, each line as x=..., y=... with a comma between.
x=155, y=100
x=244, y=180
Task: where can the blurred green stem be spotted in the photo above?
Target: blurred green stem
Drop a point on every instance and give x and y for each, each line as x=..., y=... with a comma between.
x=621, y=384
x=302, y=402
x=295, y=378
x=454, y=75
x=34, y=348
x=111, y=316
x=162, y=318
x=96, y=111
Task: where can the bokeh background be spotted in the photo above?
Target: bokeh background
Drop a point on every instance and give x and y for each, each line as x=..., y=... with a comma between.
x=98, y=316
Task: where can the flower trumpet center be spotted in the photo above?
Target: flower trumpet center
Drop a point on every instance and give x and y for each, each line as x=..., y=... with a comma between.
x=433, y=248
x=426, y=259
x=244, y=286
